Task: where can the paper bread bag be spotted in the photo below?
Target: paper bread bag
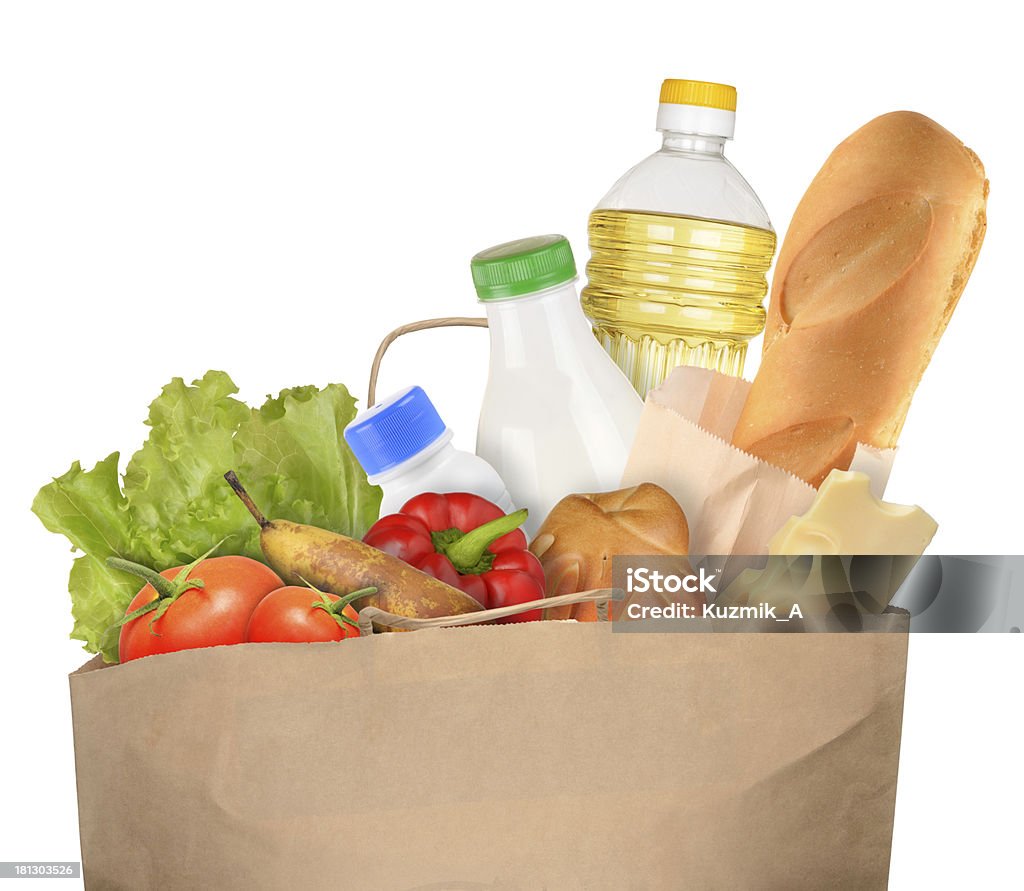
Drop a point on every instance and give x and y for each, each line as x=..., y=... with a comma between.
x=734, y=502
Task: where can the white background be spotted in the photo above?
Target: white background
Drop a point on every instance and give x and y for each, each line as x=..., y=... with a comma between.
x=269, y=188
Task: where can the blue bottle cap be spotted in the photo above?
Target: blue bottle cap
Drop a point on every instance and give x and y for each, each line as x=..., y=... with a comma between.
x=394, y=430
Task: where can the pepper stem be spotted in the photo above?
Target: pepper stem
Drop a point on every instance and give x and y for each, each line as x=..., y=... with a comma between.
x=468, y=550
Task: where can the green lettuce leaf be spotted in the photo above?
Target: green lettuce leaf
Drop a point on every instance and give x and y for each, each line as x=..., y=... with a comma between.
x=174, y=484
x=174, y=503
x=292, y=456
x=88, y=508
x=99, y=597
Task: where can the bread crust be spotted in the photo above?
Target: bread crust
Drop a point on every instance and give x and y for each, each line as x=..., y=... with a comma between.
x=875, y=259
x=578, y=539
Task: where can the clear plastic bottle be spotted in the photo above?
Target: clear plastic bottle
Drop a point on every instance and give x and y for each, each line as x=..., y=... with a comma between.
x=680, y=247
x=558, y=417
x=406, y=449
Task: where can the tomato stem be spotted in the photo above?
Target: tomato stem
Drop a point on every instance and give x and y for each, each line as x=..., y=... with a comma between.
x=334, y=608
x=141, y=611
x=164, y=587
x=342, y=602
x=167, y=590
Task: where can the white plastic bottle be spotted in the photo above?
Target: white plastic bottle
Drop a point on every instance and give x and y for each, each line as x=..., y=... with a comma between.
x=406, y=449
x=558, y=416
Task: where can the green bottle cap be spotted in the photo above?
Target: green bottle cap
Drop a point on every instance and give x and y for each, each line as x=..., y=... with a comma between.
x=522, y=267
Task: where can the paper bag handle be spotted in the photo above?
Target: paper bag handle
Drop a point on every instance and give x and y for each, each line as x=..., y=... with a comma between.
x=426, y=324
x=372, y=615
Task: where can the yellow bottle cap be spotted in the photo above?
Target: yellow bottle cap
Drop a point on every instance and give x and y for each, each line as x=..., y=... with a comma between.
x=698, y=92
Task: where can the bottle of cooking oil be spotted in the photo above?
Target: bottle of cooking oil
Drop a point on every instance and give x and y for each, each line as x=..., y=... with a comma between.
x=680, y=247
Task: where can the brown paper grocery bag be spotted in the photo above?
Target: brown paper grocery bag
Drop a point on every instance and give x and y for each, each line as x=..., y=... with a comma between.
x=546, y=755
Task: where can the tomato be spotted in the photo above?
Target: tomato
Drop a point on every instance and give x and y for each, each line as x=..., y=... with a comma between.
x=214, y=614
x=301, y=615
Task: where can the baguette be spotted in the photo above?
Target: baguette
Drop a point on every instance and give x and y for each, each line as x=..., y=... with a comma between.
x=875, y=259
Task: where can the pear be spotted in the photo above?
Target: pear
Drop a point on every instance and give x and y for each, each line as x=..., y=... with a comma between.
x=338, y=564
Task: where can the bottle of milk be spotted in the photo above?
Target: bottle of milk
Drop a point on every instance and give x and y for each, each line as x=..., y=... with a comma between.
x=558, y=415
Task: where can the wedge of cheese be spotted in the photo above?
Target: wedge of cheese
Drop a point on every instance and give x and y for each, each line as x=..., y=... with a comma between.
x=846, y=519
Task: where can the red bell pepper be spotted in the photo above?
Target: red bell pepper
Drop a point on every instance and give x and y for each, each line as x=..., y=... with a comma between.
x=467, y=542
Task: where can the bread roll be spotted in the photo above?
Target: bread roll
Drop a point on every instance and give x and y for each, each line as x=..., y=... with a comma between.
x=875, y=259
x=578, y=539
